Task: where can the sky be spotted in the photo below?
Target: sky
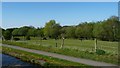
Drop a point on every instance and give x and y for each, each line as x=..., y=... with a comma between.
x=0, y=14
x=59, y=0
x=17, y=14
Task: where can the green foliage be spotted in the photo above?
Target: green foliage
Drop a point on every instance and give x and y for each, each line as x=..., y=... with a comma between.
x=28, y=37
x=16, y=39
x=79, y=32
x=107, y=30
x=98, y=30
x=63, y=31
x=7, y=35
x=70, y=32
x=40, y=32
x=85, y=30
x=23, y=31
x=15, y=32
x=32, y=32
x=100, y=52
x=51, y=29
x=0, y=32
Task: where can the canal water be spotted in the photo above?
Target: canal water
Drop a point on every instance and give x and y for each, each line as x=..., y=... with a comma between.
x=8, y=61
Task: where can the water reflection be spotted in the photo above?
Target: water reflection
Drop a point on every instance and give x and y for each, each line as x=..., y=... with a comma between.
x=11, y=61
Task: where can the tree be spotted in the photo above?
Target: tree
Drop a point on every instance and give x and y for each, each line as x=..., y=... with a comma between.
x=27, y=37
x=55, y=31
x=70, y=32
x=0, y=32
x=7, y=34
x=15, y=32
x=114, y=25
x=79, y=32
x=111, y=26
x=107, y=29
x=40, y=32
x=48, y=28
x=63, y=31
x=31, y=32
x=98, y=30
x=51, y=29
x=84, y=30
x=23, y=31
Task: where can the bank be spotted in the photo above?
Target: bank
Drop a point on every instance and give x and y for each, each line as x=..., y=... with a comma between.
x=40, y=60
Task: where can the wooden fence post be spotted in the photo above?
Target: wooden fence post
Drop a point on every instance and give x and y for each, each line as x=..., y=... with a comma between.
x=95, y=44
x=62, y=42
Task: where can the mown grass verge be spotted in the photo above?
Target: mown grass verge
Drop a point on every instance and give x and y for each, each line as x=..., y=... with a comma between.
x=109, y=58
x=35, y=58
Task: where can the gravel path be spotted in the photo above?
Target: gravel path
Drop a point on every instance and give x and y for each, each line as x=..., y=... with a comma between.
x=69, y=58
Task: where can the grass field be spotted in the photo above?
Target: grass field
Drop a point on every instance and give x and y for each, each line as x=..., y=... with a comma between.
x=109, y=47
x=74, y=47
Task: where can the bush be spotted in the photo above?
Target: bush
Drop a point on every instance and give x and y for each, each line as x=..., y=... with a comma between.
x=100, y=52
x=16, y=39
x=44, y=38
x=27, y=37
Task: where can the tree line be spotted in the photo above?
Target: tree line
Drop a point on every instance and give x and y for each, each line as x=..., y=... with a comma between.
x=106, y=30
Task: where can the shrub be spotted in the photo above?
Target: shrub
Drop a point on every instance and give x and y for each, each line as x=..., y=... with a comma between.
x=27, y=37
x=100, y=52
x=44, y=38
x=16, y=39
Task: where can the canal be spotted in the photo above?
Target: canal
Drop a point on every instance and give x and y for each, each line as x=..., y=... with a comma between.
x=8, y=61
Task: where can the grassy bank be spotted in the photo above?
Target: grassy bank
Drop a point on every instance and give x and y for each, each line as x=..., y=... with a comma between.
x=109, y=58
x=35, y=58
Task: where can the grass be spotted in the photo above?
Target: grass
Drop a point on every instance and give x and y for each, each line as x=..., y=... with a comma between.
x=34, y=58
x=109, y=47
x=108, y=57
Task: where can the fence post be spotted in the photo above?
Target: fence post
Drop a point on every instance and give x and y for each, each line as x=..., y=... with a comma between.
x=95, y=44
x=62, y=42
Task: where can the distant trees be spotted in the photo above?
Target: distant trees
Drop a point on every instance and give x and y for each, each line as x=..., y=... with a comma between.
x=28, y=31
x=99, y=31
x=7, y=35
x=84, y=30
x=107, y=30
x=52, y=29
x=32, y=32
x=79, y=32
x=15, y=32
x=63, y=31
x=40, y=32
x=70, y=32
x=0, y=32
x=23, y=31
